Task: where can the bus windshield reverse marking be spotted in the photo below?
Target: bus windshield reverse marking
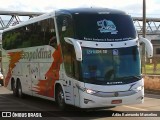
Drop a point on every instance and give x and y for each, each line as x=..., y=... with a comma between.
x=107, y=26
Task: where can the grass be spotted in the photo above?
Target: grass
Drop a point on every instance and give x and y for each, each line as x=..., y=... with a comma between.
x=149, y=69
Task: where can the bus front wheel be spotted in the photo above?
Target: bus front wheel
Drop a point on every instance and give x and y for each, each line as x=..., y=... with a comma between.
x=60, y=99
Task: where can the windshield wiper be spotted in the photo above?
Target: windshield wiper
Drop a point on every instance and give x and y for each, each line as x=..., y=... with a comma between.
x=130, y=77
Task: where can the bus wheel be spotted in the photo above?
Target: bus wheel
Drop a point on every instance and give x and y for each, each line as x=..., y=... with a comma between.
x=2, y=84
x=14, y=88
x=19, y=89
x=60, y=98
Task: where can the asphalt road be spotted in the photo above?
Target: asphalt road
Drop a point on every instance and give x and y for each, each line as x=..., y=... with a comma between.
x=30, y=104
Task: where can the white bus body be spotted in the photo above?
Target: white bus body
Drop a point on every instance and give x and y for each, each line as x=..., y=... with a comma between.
x=87, y=58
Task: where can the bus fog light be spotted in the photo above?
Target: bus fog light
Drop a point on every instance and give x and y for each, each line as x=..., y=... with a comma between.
x=87, y=100
x=142, y=98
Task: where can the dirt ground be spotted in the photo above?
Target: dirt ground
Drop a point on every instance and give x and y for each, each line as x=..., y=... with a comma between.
x=152, y=83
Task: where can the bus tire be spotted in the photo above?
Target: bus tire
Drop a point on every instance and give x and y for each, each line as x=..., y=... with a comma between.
x=19, y=89
x=14, y=87
x=2, y=84
x=60, y=99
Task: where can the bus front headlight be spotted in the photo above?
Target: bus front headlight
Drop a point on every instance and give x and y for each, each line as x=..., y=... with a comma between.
x=1, y=77
x=89, y=91
x=139, y=88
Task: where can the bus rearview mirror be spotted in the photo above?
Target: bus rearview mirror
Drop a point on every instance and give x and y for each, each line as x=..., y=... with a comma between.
x=77, y=47
x=148, y=46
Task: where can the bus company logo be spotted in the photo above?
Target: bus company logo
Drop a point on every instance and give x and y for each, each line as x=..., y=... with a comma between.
x=116, y=94
x=115, y=52
x=107, y=26
x=37, y=54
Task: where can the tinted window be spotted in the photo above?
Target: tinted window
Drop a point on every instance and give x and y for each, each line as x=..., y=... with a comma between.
x=70, y=62
x=111, y=66
x=65, y=29
x=157, y=50
x=35, y=34
x=103, y=27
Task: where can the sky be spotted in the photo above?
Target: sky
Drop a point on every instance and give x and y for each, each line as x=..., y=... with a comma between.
x=132, y=7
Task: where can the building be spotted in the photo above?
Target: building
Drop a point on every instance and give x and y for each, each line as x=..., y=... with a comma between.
x=156, y=48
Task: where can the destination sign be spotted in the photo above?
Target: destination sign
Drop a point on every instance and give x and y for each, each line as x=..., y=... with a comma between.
x=96, y=52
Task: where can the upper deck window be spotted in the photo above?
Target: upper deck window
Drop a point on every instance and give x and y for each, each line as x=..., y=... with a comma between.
x=31, y=35
x=104, y=27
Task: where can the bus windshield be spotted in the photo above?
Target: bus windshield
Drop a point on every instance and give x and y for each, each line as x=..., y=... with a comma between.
x=106, y=27
x=111, y=66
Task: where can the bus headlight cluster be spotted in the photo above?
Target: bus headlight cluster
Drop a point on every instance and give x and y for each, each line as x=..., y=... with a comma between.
x=89, y=91
x=1, y=77
x=139, y=88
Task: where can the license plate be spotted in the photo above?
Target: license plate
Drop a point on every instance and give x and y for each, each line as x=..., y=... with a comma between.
x=116, y=101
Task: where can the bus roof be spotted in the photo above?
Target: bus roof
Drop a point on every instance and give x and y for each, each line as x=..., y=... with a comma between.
x=93, y=11
x=70, y=11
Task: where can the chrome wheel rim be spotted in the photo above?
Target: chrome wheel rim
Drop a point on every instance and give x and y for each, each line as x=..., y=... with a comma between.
x=61, y=98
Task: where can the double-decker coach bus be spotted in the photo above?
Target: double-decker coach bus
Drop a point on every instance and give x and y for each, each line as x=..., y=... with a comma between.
x=86, y=57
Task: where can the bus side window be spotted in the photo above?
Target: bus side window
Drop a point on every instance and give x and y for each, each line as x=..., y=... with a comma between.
x=53, y=42
x=65, y=29
x=75, y=68
x=70, y=62
x=48, y=32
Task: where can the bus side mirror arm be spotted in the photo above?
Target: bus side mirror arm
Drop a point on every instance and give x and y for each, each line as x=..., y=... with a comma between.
x=77, y=47
x=148, y=46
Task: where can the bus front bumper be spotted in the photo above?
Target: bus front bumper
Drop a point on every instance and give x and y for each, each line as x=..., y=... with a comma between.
x=91, y=101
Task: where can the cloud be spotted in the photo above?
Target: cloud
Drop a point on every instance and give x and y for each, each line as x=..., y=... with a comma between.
x=129, y=6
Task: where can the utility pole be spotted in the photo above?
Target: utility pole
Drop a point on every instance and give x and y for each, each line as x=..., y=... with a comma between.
x=144, y=35
x=144, y=18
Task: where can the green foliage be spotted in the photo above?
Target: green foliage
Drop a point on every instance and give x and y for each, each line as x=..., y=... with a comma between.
x=151, y=69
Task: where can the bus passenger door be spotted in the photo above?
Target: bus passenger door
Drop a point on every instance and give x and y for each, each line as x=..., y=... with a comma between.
x=76, y=93
x=68, y=89
x=71, y=91
x=65, y=29
x=72, y=81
